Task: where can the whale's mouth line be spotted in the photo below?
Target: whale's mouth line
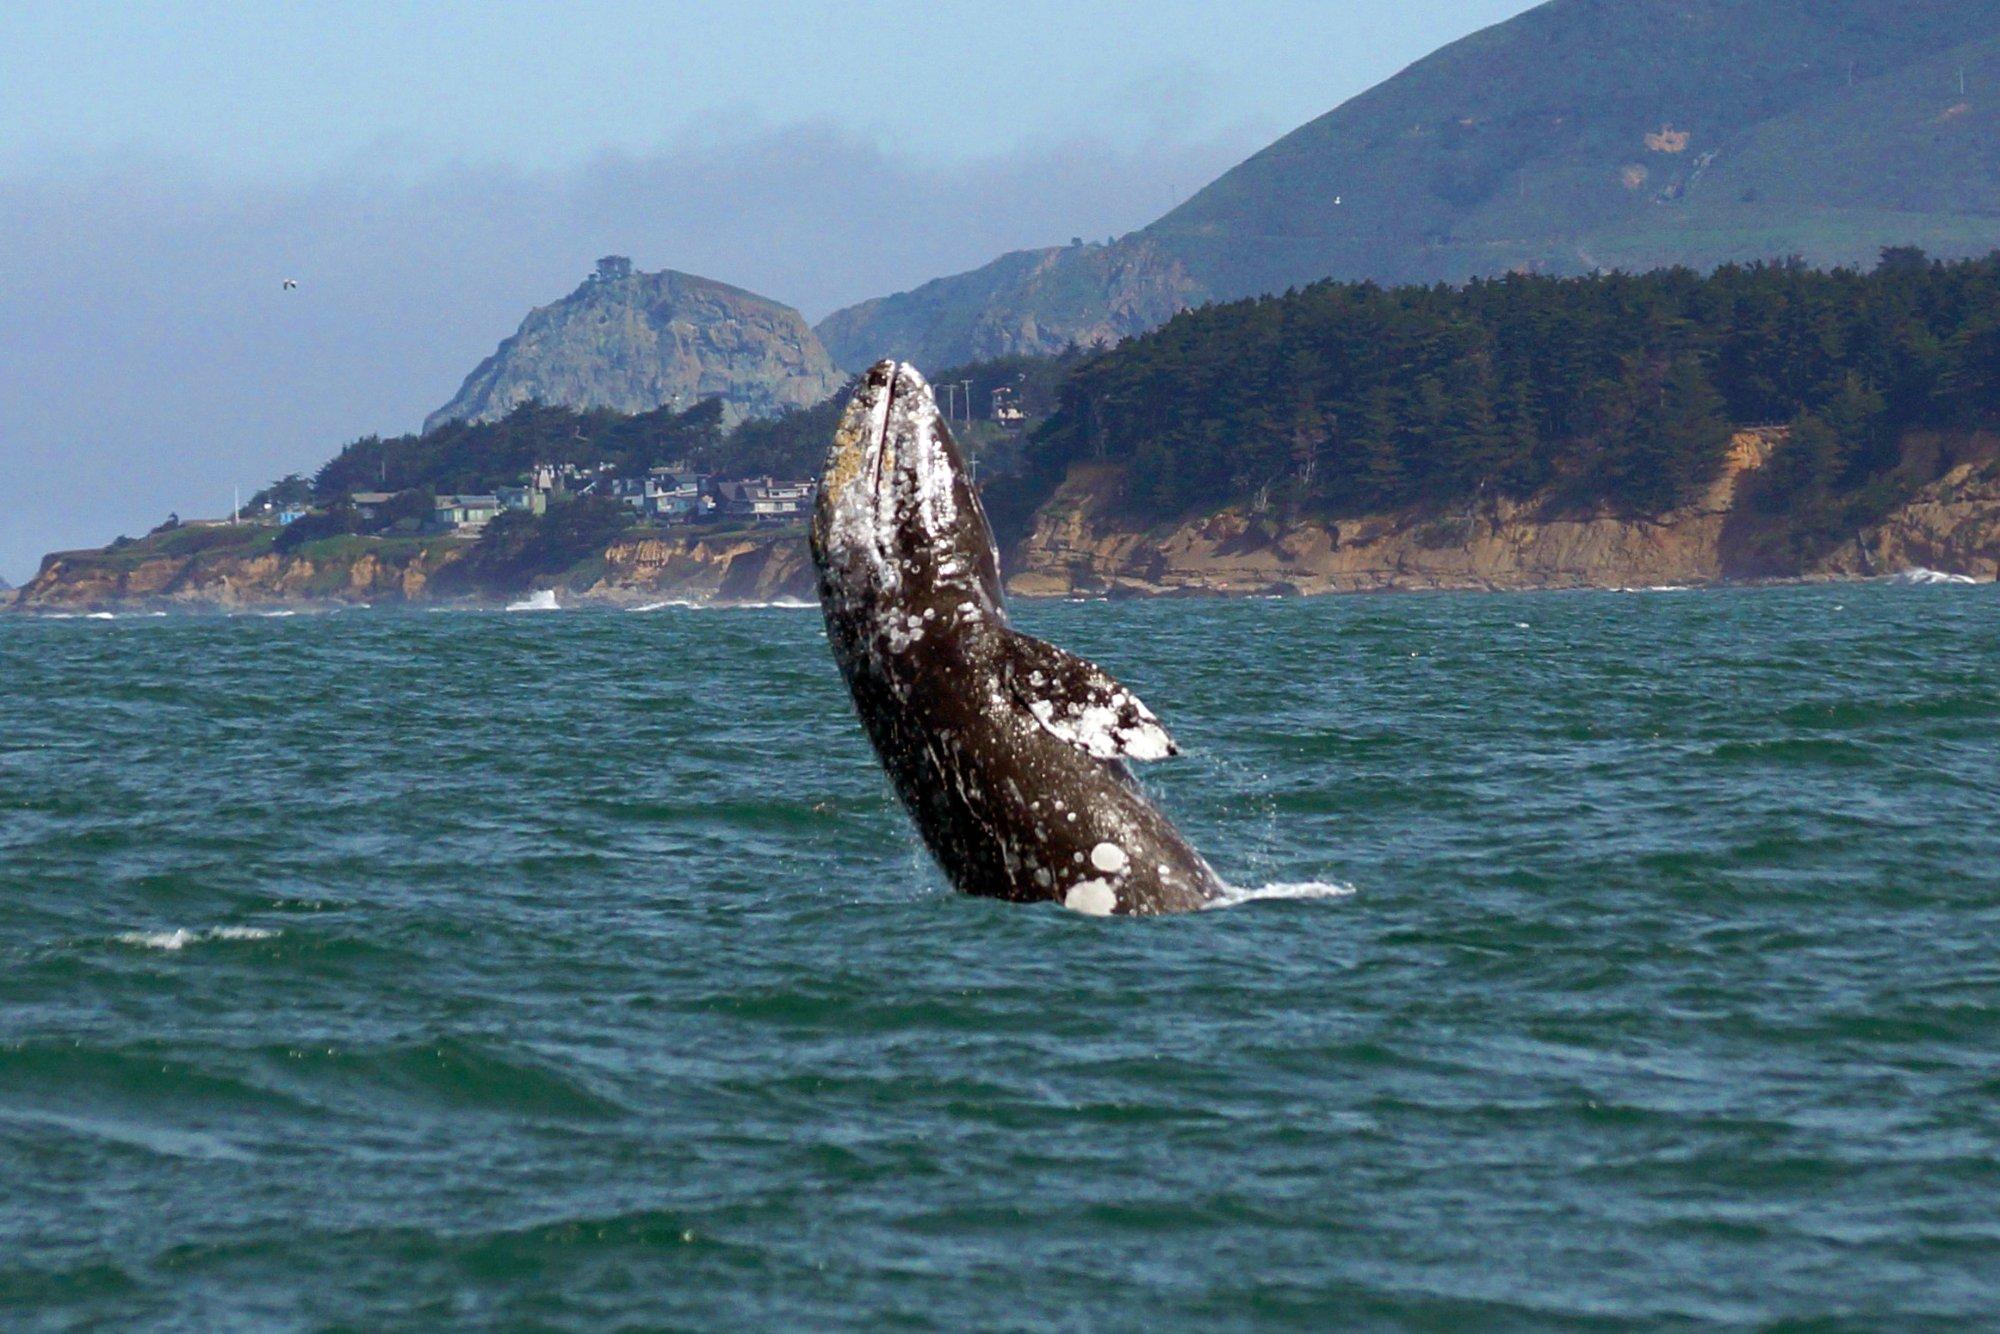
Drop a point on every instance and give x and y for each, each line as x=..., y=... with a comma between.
x=882, y=449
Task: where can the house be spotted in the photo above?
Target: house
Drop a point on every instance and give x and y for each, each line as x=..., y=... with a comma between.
x=1007, y=409
x=464, y=515
x=368, y=503
x=291, y=514
x=672, y=497
x=528, y=499
x=766, y=500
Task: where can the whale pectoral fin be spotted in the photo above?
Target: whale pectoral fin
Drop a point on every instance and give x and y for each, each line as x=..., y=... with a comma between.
x=1083, y=704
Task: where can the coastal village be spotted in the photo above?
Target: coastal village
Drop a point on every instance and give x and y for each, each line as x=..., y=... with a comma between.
x=667, y=496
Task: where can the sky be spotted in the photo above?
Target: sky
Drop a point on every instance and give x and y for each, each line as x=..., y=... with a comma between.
x=429, y=171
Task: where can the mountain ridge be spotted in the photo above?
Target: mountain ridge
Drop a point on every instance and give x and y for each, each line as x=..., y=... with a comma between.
x=1579, y=135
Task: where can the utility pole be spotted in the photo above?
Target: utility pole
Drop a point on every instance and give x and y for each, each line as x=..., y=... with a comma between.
x=968, y=403
x=949, y=390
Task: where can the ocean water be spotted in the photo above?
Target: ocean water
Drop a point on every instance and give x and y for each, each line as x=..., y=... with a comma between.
x=577, y=971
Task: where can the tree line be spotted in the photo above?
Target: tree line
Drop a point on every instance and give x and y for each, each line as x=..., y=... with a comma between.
x=1618, y=389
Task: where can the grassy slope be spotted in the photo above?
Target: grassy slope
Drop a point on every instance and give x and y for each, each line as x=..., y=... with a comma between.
x=1525, y=145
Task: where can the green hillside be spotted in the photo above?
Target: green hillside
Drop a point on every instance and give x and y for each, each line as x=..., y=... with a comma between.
x=1583, y=134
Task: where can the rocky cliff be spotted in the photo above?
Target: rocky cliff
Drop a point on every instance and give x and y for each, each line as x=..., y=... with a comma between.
x=634, y=341
x=351, y=571
x=1079, y=545
x=153, y=576
x=1952, y=525
x=749, y=568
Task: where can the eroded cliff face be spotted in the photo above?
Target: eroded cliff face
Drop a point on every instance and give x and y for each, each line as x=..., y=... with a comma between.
x=745, y=569
x=1079, y=547
x=1952, y=525
x=722, y=569
x=109, y=580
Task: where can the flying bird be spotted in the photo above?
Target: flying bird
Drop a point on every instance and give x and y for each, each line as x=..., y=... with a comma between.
x=291, y=283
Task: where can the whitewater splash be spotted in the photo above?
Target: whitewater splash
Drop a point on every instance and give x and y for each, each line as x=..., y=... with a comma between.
x=181, y=938
x=1235, y=895
x=1922, y=576
x=543, y=599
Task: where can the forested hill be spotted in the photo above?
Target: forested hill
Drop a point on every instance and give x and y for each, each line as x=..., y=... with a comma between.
x=1617, y=390
x=1582, y=135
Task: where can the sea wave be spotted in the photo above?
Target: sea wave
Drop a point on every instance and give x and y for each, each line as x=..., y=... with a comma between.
x=1236, y=895
x=181, y=937
x=1921, y=576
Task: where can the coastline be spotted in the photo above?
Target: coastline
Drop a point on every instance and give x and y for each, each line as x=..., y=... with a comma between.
x=1079, y=545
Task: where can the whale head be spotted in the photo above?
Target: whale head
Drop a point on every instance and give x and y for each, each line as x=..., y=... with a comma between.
x=896, y=517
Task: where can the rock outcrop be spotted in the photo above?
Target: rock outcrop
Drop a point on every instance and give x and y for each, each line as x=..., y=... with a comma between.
x=635, y=341
x=1952, y=525
x=741, y=569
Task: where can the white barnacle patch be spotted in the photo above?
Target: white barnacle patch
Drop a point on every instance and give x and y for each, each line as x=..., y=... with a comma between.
x=1092, y=898
x=1109, y=858
x=1076, y=702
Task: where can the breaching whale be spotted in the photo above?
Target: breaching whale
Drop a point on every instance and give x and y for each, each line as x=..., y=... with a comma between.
x=1007, y=751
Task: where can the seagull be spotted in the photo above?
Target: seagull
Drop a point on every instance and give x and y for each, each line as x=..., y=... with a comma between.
x=291, y=283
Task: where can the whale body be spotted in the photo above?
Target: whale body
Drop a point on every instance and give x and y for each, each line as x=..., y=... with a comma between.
x=1007, y=751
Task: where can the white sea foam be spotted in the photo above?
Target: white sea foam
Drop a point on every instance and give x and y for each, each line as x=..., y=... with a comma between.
x=661, y=606
x=1234, y=895
x=181, y=938
x=101, y=616
x=542, y=599
x=1923, y=576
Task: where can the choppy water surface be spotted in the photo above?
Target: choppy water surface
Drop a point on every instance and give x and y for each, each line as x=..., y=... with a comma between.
x=577, y=969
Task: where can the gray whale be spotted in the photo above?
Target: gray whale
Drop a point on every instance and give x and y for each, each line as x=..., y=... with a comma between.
x=1007, y=751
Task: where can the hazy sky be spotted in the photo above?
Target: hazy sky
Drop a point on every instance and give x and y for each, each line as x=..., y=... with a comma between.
x=430, y=171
